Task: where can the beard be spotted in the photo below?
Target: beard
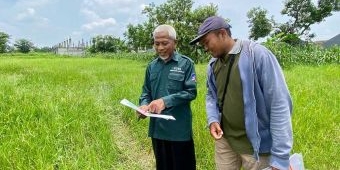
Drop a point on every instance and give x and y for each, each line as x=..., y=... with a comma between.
x=164, y=57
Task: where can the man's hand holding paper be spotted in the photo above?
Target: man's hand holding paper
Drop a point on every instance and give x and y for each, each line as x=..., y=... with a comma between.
x=144, y=108
x=156, y=106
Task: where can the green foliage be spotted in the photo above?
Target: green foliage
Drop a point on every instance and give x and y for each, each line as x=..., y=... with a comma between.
x=177, y=13
x=23, y=45
x=291, y=39
x=145, y=56
x=198, y=17
x=259, y=24
x=305, y=13
x=107, y=44
x=287, y=55
x=302, y=13
x=306, y=54
x=43, y=49
x=3, y=42
x=139, y=36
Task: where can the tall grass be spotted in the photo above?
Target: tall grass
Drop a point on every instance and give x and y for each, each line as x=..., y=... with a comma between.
x=309, y=54
x=287, y=55
x=55, y=114
x=62, y=113
x=316, y=114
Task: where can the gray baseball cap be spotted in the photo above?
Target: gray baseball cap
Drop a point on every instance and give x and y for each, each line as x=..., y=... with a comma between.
x=210, y=24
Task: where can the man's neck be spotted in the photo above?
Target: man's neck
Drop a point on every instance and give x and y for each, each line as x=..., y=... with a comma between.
x=230, y=45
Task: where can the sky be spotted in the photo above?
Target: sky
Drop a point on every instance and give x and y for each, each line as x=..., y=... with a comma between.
x=49, y=22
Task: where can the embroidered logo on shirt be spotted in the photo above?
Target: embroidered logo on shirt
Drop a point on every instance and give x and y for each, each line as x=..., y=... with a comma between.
x=177, y=70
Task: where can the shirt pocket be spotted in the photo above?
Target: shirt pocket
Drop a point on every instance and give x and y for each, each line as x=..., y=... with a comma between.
x=175, y=82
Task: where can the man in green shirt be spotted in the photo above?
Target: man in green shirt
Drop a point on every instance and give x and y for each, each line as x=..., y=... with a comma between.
x=169, y=87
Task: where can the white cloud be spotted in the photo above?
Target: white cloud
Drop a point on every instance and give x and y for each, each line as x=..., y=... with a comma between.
x=142, y=6
x=89, y=14
x=109, y=16
x=113, y=2
x=100, y=23
x=41, y=21
x=124, y=10
x=28, y=13
x=82, y=19
x=111, y=7
x=35, y=3
x=77, y=33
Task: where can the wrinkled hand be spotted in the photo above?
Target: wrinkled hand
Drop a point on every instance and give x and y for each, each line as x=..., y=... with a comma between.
x=156, y=106
x=145, y=108
x=215, y=130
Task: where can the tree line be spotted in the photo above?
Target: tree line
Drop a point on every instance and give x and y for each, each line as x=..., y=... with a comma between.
x=186, y=20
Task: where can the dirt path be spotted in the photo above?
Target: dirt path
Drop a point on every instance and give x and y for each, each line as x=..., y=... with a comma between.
x=134, y=156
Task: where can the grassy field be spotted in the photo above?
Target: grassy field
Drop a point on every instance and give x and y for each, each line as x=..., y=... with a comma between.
x=64, y=113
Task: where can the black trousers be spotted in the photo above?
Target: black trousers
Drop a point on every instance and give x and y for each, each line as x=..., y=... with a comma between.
x=174, y=155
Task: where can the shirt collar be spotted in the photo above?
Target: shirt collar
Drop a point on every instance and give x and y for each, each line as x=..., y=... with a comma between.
x=236, y=48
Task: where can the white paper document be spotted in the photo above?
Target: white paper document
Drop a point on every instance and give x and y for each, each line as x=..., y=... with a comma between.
x=134, y=107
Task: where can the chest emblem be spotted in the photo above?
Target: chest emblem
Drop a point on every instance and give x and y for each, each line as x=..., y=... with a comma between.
x=176, y=70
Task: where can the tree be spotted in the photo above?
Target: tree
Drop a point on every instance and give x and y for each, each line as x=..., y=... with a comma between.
x=107, y=43
x=3, y=42
x=260, y=25
x=303, y=13
x=23, y=45
x=177, y=13
x=43, y=49
x=138, y=36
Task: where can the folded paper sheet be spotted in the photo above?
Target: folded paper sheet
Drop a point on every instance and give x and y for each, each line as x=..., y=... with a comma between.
x=134, y=107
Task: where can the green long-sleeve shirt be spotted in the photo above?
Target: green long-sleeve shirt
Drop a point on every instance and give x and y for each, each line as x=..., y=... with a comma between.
x=175, y=82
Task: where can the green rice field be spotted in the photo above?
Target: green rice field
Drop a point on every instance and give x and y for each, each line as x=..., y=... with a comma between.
x=64, y=113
